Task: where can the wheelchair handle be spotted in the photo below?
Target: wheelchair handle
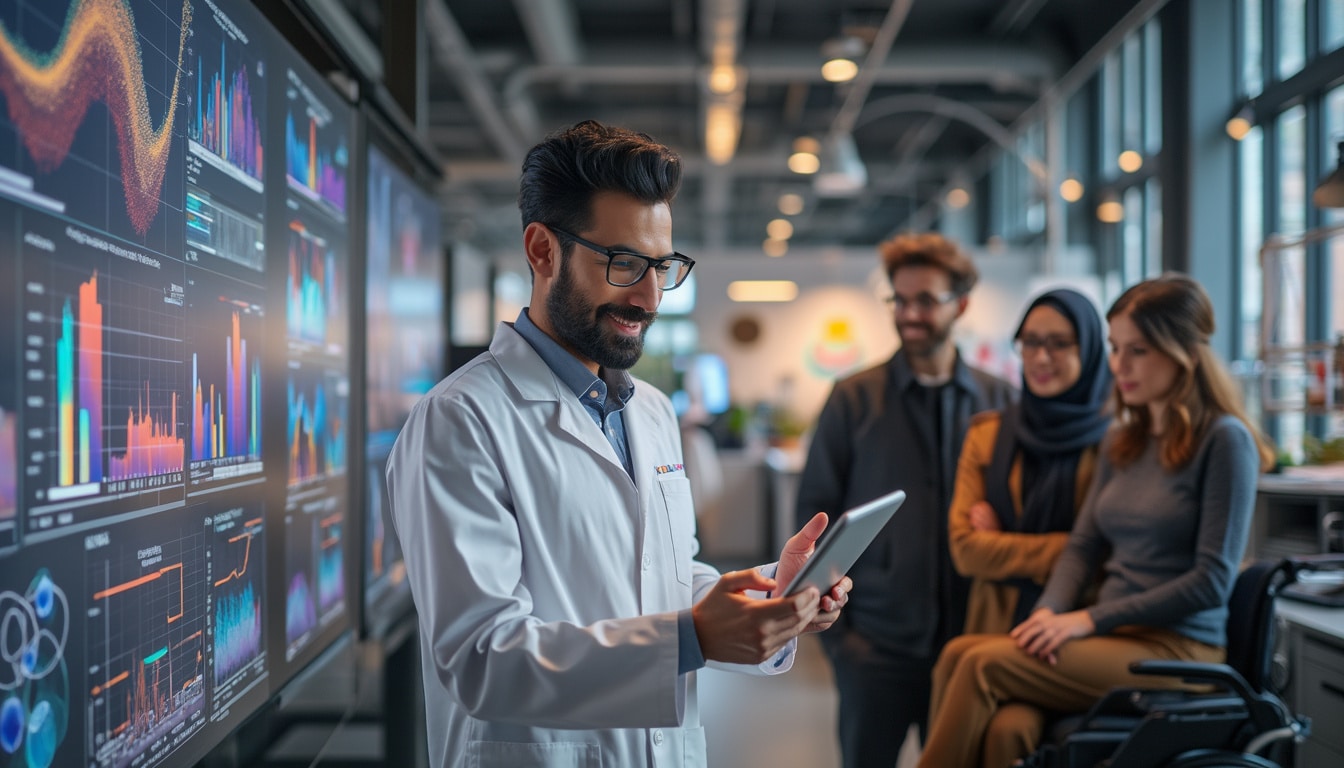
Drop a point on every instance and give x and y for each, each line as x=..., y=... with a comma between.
x=1196, y=672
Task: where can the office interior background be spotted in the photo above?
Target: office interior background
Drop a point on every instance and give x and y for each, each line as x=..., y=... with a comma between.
x=238, y=240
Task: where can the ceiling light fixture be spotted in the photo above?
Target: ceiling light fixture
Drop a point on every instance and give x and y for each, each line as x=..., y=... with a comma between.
x=1071, y=190
x=1110, y=211
x=958, y=198
x=839, y=70
x=1130, y=161
x=775, y=248
x=762, y=290
x=1240, y=124
x=723, y=126
x=791, y=203
x=804, y=158
x=842, y=172
x=779, y=229
x=723, y=79
x=1330, y=192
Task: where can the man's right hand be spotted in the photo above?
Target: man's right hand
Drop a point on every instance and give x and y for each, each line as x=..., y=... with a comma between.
x=735, y=628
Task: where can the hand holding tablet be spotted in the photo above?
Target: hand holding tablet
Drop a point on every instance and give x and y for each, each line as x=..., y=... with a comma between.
x=841, y=545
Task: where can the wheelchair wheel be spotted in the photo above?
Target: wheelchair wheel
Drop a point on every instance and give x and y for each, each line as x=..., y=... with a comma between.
x=1217, y=758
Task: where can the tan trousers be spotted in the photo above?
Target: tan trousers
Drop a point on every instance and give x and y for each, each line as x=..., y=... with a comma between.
x=985, y=708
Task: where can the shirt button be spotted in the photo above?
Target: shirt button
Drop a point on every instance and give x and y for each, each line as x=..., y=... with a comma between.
x=593, y=393
x=648, y=562
x=658, y=738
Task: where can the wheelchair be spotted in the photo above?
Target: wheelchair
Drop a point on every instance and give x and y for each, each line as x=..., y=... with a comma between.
x=1240, y=721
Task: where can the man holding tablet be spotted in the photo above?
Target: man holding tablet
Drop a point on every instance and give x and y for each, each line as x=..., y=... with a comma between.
x=543, y=508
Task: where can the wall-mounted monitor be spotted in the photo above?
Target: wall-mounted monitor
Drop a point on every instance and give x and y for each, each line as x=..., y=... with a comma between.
x=405, y=350
x=174, y=364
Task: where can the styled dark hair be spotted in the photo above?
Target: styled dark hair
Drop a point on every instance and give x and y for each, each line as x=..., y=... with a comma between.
x=930, y=249
x=563, y=172
x=1175, y=315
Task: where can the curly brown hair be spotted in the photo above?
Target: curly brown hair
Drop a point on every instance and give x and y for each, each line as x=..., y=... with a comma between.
x=930, y=249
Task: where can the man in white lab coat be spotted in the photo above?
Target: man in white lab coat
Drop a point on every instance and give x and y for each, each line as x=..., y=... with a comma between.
x=544, y=511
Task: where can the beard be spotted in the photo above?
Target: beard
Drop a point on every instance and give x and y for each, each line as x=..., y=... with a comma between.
x=935, y=336
x=579, y=324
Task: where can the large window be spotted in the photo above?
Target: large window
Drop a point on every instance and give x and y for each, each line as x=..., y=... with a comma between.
x=1287, y=311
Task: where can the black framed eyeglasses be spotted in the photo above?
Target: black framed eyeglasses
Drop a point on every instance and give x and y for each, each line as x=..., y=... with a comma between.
x=923, y=302
x=1053, y=345
x=625, y=268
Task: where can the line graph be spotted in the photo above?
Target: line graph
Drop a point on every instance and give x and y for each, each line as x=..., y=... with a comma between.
x=146, y=641
x=96, y=57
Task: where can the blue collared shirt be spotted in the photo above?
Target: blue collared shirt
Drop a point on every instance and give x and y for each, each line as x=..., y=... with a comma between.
x=606, y=412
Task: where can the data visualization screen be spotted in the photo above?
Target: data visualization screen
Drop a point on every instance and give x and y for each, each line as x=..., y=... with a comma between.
x=404, y=351
x=174, y=376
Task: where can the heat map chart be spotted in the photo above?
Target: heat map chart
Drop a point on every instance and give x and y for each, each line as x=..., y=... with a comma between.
x=236, y=653
x=316, y=153
x=34, y=676
x=103, y=347
x=318, y=402
x=315, y=565
x=92, y=110
x=315, y=290
x=226, y=331
x=146, y=640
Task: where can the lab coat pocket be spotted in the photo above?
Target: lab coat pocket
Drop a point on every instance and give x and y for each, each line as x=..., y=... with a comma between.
x=511, y=754
x=680, y=522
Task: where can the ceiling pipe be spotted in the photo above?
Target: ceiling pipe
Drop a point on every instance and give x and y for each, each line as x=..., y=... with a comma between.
x=1005, y=67
x=863, y=82
x=454, y=54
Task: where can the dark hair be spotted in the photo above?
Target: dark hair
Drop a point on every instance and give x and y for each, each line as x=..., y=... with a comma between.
x=563, y=172
x=930, y=249
x=1175, y=315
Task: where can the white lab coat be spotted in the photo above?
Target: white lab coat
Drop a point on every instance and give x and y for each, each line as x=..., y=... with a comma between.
x=547, y=583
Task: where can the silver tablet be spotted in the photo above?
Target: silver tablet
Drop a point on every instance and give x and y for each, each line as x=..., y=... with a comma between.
x=843, y=542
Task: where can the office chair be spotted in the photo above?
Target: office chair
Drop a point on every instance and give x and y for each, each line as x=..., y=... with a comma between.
x=1240, y=722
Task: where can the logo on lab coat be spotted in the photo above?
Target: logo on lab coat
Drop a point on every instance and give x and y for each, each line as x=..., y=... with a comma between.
x=663, y=469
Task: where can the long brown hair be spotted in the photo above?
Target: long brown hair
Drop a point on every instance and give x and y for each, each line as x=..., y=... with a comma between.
x=1175, y=315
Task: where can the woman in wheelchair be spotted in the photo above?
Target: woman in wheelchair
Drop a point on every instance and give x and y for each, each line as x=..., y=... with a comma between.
x=1023, y=474
x=1165, y=522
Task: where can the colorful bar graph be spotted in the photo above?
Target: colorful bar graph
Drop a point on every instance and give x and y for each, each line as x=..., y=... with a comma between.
x=79, y=391
x=315, y=162
x=226, y=421
x=152, y=446
x=8, y=466
x=314, y=310
x=224, y=121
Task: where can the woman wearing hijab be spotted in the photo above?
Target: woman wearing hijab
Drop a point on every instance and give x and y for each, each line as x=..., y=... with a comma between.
x=1022, y=476
x=1165, y=523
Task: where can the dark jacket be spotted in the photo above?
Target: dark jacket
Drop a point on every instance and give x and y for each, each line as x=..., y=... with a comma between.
x=874, y=436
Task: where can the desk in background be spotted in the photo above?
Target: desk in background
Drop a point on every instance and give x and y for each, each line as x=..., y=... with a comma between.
x=1297, y=516
x=1314, y=650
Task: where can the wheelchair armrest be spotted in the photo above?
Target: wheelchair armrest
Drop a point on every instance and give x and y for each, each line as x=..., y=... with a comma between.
x=1196, y=672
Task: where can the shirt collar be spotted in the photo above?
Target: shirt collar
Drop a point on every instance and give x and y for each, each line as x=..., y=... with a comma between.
x=572, y=373
x=903, y=375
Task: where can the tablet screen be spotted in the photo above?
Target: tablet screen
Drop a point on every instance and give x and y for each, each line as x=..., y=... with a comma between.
x=843, y=542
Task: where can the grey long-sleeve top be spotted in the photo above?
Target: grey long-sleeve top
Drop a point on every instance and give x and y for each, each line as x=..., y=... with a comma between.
x=1169, y=543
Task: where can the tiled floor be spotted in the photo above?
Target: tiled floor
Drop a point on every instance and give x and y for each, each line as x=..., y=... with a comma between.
x=777, y=721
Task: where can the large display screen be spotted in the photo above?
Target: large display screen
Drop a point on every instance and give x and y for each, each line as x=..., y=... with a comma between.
x=174, y=374
x=405, y=357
